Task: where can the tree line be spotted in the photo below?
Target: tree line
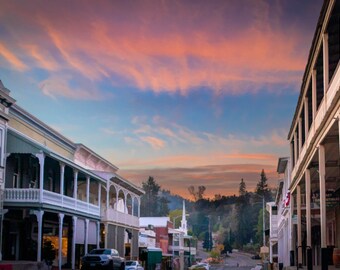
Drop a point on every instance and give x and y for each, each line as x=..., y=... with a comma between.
x=231, y=221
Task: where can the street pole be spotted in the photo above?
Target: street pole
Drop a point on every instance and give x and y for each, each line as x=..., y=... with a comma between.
x=209, y=243
x=263, y=220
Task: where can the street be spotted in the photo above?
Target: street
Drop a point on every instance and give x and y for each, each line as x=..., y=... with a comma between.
x=236, y=260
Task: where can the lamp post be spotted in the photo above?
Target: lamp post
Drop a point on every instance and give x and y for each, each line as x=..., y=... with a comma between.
x=209, y=235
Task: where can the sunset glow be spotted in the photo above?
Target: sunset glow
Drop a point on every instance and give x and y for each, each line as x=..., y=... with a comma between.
x=190, y=92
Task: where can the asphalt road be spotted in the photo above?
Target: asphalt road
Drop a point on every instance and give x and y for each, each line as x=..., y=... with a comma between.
x=235, y=260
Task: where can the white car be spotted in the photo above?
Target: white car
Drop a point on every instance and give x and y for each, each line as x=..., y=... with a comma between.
x=133, y=265
x=257, y=267
x=205, y=266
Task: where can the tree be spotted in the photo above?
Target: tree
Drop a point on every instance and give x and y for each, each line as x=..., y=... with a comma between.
x=242, y=190
x=262, y=187
x=207, y=243
x=152, y=205
x=243, y=225
x=197, y=195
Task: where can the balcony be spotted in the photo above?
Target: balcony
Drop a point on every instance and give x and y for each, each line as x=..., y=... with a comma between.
x=274, y=226
x=31, y=195
x=326, y=104
x=119, y=217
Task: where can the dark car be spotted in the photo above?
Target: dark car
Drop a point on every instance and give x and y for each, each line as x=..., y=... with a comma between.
x=103, y=258
x=256, y=257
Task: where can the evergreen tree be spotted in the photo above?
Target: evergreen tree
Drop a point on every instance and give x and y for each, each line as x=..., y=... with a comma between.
x=243, y=225
x=262, y=187
x=152, y=205
x=242, y=190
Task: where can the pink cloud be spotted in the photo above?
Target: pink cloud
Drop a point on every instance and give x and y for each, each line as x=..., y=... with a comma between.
x=155, y=143
x=189, y=51
x=11, y=58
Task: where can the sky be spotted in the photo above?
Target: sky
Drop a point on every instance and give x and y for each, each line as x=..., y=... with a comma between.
x=189, y=92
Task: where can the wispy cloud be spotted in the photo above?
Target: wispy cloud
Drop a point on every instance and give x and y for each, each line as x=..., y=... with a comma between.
x=247, y=57
x=156, y=143
x=59, y=86
x=12, y=58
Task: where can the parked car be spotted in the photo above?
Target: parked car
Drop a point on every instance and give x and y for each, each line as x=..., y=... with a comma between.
x=103, y=258
x=200, y=266
x=133, y=265
x=257, y=267
x=256, y=257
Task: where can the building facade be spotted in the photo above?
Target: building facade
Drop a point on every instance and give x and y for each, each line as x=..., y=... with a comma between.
x=310, y=223
x=61, y=193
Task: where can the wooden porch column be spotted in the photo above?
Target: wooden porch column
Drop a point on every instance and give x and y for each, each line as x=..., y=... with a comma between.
x=295, y=147
x=139, y=207
x=314, y=93
x=107, y=195
x=75, y=188
x=99, y=195
x=86, y=235
x=308, y=208
x=39, y=214
x=98, y=233
x=87, y=189
x=300, y=134
x=62, y=175
x=325, y=63
x=299, y=233
x=74, y=228
x=41, y=158
x=106, y=233
x=322, y=180
x=61, y=218
x=306, y=116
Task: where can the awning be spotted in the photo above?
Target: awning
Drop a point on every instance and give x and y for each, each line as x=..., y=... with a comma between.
x=21, y=145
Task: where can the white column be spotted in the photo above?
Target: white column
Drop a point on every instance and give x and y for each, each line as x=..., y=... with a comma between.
x=291, y=223
x=74, y=228
x=139, y=207
x=41, y=158
x=300, y=134
x=88, y=189
x=107, y=195
x=86, y=234
x=39, y=214
x=133, y=205
x=126, y=211
x=99, y=194
x=106, y=233
x=314, y=103
x=295, y=147
x=325, y=63
x=75, y=188
x=299, y=236
x=62, y=175
x=98, y=233
x=322, y=173
x=117, y=197
x=61, y=218
x=306, y=127
x=292, y=156
x=308, y=208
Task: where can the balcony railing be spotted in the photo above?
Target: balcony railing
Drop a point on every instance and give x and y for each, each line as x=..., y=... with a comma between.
x=119, y=217
x=324, y=106
x=30, y=195
x=274, y=226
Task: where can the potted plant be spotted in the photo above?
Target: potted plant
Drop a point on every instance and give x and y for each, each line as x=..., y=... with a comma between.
x=49, y=252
